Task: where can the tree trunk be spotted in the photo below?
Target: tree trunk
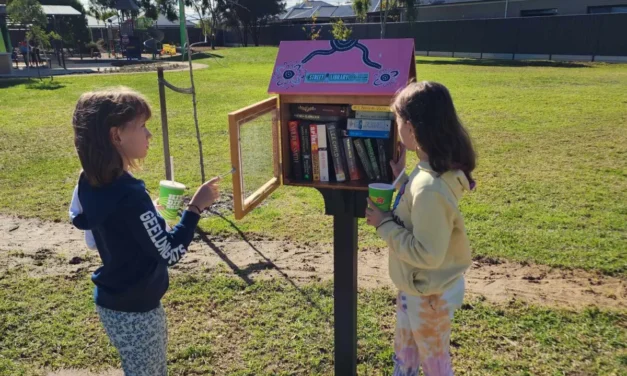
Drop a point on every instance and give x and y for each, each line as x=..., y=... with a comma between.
x=245, y=38
x=383, y=16
x=256, y=29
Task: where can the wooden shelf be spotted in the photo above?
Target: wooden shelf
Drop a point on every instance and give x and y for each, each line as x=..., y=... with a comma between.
x=360, y=185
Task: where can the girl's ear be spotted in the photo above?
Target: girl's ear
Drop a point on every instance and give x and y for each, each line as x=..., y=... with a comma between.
x=114, y=136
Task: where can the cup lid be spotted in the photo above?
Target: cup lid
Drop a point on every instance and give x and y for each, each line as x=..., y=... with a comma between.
x=171, y=184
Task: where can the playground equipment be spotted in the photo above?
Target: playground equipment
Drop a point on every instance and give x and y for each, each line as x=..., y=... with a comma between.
x=153, y=45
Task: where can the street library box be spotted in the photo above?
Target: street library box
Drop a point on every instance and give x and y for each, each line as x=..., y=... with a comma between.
x=328, y=125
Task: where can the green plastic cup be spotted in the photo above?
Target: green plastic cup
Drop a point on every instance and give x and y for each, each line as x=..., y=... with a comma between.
x=170, y=198
x=381, y=194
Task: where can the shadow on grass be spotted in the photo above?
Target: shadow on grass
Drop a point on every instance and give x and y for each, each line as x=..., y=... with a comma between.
x=244, y=274
x=195, y=56
x=505, y=63
x=45, y=85
x=10, y=82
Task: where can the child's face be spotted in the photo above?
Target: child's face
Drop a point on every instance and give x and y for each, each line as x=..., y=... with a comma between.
x=134, y=140
x=406, y=133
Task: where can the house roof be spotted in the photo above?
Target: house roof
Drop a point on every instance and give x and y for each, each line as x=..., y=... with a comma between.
x=161, y=23
x=126, y=5
x=321, y=9
x=94, y=23
x=60, y=10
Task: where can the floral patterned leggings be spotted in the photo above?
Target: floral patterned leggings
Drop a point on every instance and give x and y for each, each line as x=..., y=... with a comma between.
x=423, y=332
x=141, y=339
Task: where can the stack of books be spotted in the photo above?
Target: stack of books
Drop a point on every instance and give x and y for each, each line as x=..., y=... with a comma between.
x=340, y=143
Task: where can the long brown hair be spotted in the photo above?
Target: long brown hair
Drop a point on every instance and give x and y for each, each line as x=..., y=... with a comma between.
x=95, y=114
x=429, y=108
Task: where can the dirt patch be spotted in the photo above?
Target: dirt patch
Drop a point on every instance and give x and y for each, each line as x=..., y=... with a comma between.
x=46, y=248
x=82, y=372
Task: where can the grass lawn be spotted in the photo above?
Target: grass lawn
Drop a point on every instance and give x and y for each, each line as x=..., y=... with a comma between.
x=219, y=325
x=552, y=143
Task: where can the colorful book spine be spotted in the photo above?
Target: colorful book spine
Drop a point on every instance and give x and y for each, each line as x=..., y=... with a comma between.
x=358, y=107
x=369, y=125
x=383, y=161
x=315, y=158
x=373, y=158
x=297, y=167
x=336, y=152
x=323, y=155
x=369, y=134
x=305, y=145
x=374, y=115
x=363, y=157
x=351, y=159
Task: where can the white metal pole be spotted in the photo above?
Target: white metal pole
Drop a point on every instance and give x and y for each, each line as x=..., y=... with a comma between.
x=506, y=5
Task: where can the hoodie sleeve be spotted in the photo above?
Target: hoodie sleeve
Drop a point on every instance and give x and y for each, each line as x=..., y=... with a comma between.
x=425, y=247
x=149, y=230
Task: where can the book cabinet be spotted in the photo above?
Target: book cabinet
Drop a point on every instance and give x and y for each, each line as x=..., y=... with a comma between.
x=355, y=74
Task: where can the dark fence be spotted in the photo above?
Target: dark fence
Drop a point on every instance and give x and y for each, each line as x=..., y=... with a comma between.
x=602, y=34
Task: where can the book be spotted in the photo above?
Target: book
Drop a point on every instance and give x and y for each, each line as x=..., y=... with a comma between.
x=315, y=157
x=297, y=167
x=374, y=115
x=305, y=146
x=368, y=134
x=383, y=161
x=319, y=112
x=320, y=109
x=363, y=157
x=323, y=155
x=373, y=158
x=335, y=147
x=369, y=125
x=357, y=107
x=351, y=159
x=317, y=118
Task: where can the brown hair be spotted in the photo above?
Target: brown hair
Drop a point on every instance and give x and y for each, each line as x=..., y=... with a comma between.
x=95, y=114
x=429, y=108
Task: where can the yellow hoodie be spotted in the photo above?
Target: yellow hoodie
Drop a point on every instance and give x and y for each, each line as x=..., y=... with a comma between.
x=429, y=249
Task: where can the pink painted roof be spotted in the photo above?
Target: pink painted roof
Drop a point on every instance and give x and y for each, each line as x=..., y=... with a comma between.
x=352, y=67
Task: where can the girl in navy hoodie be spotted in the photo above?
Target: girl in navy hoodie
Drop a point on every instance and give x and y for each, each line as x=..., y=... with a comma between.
x=134, y=244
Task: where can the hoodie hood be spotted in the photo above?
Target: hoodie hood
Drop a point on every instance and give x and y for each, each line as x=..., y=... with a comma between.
x=456, y=180
x=98, y=203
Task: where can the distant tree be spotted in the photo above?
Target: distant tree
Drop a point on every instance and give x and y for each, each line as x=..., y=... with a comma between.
x=387, y=6
x=27, y=13
x=249, y=16
x=340, y=30
x=313, y=33
x=361, y=7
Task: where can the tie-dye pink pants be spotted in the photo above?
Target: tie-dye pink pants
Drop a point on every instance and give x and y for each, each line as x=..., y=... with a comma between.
x=423, y=332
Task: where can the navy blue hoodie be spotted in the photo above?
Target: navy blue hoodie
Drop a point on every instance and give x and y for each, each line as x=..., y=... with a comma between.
x=133, y=243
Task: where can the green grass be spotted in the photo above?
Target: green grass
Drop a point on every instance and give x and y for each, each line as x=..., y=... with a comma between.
x=219, y=325
x=552, y=144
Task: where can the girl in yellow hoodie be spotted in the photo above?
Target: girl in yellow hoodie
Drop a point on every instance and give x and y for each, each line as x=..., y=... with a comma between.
x=429, y=249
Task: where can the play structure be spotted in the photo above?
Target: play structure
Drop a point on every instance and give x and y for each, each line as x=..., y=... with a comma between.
x=154, y=45
x=329, y=127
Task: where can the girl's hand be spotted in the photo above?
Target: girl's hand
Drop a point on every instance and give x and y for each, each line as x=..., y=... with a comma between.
x=206, y=194
x=374, y=215
x=399, y=165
